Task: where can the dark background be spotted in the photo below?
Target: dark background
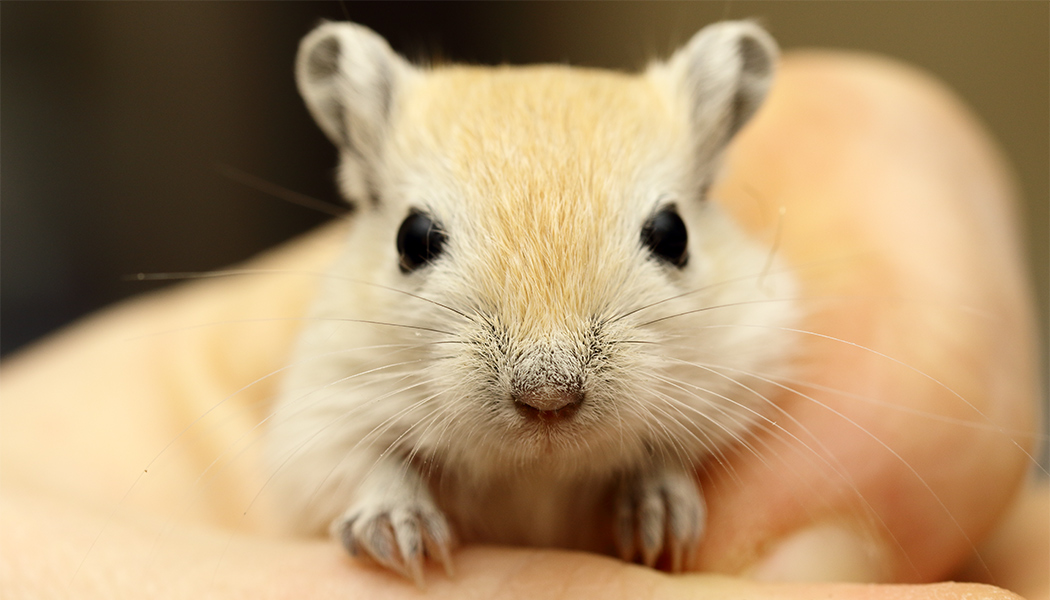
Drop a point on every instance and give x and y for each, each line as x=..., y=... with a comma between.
x=116, y=116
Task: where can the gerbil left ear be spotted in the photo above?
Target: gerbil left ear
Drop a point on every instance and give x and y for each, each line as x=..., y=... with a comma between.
x=350, y=78
x=724, y=71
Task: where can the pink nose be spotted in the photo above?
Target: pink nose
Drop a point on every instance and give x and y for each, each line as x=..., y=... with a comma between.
x=548, y=405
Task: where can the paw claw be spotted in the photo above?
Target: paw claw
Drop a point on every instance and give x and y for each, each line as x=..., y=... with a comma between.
x=438, y=540
x=410, y=542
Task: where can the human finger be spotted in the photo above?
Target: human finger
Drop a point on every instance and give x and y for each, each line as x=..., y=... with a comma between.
x=906, y=430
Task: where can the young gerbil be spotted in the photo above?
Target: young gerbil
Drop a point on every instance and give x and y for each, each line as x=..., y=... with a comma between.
x=539, y=326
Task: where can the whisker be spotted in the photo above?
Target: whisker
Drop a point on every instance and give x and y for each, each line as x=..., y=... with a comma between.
x=781, y=211
x=261, y=185
x=765, y=272
x=178, y=436
x=773, y=427
x=826, y=456
x=715, y=450
x=700, y=290
x=669, y=437
x=762, y=418
x=716, y=307
x=222, y=273
x=975, y=425
x=286, y=319
x=896, y=361
x=313, y=437
x=375, y=432
x=907, y=465
x=769, y=425
x=205, y=473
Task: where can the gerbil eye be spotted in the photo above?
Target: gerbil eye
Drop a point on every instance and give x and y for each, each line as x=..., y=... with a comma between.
x=666, y=237
x=419, y=241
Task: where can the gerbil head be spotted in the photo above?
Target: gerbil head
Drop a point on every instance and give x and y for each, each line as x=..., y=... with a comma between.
x=558, y=217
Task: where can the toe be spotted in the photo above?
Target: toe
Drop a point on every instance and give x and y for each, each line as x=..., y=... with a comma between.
x=405, y=524
x=343, y=530
x=437, y=539
x=652, y=523
x=686, y=514
x=376, y=538
x=625, y=526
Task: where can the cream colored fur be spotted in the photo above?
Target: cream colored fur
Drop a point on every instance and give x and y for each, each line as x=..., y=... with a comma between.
x=541, y=177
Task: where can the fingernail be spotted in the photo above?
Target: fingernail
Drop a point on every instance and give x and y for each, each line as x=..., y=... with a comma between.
x=823, y=553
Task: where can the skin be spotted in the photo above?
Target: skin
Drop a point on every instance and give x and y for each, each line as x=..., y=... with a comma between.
x=88, y=413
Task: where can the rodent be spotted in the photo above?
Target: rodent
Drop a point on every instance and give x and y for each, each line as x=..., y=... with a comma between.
x=540, y=326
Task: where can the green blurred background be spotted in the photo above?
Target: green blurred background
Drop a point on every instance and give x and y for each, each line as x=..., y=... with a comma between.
x=115, y=115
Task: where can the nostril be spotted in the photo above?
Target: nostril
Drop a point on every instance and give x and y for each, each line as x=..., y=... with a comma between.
x=548, y=405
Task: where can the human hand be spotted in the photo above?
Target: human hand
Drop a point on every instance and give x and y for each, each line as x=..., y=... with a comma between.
x=897, y=220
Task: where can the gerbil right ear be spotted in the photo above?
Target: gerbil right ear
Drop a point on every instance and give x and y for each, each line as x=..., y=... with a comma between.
x=723, y=73
x=349, y=78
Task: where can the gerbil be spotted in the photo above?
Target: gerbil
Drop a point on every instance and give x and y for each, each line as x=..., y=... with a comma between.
x=540, y=326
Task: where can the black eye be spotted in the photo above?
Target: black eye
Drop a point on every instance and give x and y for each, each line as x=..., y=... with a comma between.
x=665, y=236
x=419, y=241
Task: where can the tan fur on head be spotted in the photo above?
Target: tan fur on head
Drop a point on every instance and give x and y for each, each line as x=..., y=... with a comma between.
x=546, y=353
x=543, y=163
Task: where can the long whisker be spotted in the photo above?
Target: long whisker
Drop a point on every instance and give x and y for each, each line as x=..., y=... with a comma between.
x=287, y=319
x=765, y=422
x=668, y=436
x=261, y=185
x=178, y=276
x=773, y=427
x=163, y=451
x=316, y=434
x=825, y=451
x=975, y=425
x=765, y=272
x=781, y=211
x=700, y=290
x=710, y=445
x=718, y=307
x=762, y=418
x=258, y=425
x=907, y=465
x=896, y=361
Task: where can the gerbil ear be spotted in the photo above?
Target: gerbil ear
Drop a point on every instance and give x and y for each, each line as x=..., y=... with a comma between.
x=724, y=71
x=349, y=77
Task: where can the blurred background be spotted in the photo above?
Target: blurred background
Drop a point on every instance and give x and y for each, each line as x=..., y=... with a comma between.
x=118, y=118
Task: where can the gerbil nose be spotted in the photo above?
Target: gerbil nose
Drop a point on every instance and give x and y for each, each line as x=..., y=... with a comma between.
x=548, y=405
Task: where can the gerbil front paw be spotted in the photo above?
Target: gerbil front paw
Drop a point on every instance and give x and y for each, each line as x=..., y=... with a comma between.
x=397, y=535
x=660, y=514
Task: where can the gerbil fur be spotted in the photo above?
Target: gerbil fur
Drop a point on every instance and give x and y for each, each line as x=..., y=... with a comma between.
x=545, y=379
